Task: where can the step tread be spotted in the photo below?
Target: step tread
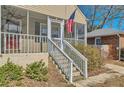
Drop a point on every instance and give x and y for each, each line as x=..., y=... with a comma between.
x=77, y=78
x=77, y=73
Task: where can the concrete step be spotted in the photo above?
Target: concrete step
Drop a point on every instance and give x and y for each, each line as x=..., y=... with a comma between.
x=60, y=58
x=63, y=61
x=74, y=69
x=77, y=73
x=77, y=78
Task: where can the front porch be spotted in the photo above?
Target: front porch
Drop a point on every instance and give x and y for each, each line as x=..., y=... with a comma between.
x=24, y=31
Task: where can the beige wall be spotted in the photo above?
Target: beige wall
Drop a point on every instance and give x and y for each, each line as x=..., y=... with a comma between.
x=23, y=59
x=60, y=11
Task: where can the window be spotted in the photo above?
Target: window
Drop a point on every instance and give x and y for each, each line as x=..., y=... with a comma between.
x=43, y=29
x=98, y=41
x=13, y=26
x=80, y=31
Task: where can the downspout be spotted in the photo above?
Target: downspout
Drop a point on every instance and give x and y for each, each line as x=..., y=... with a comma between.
x=119, y=47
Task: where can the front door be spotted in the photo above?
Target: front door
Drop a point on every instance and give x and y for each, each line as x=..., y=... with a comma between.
x=56, y=31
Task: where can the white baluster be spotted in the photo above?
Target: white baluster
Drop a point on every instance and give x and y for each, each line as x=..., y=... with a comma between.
x=5, y=43
x=13, y=43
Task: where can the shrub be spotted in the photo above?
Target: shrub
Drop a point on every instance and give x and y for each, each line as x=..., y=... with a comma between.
x=10, y=71
x=37, y=71
x=92, y=54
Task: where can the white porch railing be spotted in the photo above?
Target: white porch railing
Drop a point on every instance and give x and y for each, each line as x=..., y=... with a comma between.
x=74, y=41
x=79, y=60
x=22, y=43
x=64, y=62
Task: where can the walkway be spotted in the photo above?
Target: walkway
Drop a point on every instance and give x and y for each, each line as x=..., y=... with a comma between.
x=101, y=78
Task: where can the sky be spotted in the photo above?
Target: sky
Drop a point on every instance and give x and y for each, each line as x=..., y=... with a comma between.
x=115, y=22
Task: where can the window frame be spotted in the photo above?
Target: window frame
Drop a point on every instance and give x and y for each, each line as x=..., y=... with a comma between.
x=97, y=38
x=15, y=20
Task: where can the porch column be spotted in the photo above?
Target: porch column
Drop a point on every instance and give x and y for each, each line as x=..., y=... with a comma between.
x=28, y=31
x=62, y=33
x=0, y=29
x=49, y=27
x=75, y=31
x=85, y=34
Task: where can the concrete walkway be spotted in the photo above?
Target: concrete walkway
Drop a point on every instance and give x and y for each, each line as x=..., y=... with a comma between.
x=115, y=68
x=101, y=78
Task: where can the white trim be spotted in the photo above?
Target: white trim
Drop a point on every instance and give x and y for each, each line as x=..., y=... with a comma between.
x=0, y=29
x=28, y=30
x=61, y=22
x=85, y=34
x=119, y=50
x=41, y=24
x=49, y=27
x=81, y=12
x=62, y=33
x=96, y=39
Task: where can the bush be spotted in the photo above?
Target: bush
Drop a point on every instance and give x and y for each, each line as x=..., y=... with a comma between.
x=37, y=71
x=10, y=71
x=92, y=54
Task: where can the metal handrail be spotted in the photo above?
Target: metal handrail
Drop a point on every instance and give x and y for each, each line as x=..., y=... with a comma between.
x=77, y=62
x=69, y=60
x=76, y=51
x=61, y=51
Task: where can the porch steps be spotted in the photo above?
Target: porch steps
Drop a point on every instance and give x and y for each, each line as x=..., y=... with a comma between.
x=63, y=62
x=67, y=60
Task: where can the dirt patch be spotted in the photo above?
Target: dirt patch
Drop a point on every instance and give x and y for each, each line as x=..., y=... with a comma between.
x=98, y=71
x=55, y=78
x=113, y=82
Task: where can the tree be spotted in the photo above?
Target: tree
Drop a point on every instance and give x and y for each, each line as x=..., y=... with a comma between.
x=101, y=16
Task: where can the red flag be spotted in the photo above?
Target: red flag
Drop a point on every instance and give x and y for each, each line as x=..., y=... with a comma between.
x=70, y=22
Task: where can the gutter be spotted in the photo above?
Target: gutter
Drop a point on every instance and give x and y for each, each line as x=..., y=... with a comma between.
x=119, y=49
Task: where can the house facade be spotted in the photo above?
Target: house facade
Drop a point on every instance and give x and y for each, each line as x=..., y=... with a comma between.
x=111, y=42
x=33, y=32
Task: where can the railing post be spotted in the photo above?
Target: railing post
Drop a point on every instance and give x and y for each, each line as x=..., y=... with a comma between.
x=28, y=31
x=71, y=72
x=85, y=34
x=0, y=29
x=85, y=70
x=62, y=33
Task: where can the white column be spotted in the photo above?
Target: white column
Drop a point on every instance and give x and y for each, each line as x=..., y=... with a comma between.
x=85, y=34
x=0, y=29
x=62, y=33
x=49, y=27
x=75, y=31
x=28, y=31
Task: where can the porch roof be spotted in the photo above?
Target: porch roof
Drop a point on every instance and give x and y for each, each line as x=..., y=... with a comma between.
x=104, y=32
x=59, y=11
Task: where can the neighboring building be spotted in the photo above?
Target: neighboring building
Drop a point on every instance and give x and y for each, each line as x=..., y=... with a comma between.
x=28, y=31
x=109, y=40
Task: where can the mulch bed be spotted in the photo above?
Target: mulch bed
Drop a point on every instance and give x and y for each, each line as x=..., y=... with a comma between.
x=55, y=79
x=98, y=71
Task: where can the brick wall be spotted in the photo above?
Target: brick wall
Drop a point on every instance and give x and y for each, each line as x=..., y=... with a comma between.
x=111, y=41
